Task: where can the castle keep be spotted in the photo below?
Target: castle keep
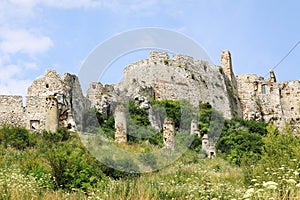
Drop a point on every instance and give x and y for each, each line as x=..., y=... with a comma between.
x=55, y=101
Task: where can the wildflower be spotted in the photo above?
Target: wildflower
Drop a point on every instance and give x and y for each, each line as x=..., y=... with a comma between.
x=271, y=185
x=298, y=185
x=248, y=193
x=291, y=181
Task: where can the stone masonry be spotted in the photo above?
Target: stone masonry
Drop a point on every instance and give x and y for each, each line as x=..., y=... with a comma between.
x=120, y=124
x=58, y=101
x=52, y=101
x=169, y=134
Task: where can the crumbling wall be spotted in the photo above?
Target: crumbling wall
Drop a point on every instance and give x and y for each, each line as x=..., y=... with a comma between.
x=35, y=112
x=66, y=90
x=181, y=77
x=169, y=133
x=290, y=99
x=12, y=110
x=102, y=97
x=120, y=124
x=269, y=101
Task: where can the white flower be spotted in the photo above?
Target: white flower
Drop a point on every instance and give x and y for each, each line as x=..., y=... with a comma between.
x=271, y=185
x=291, y=181
x=298, y=185
x=266, y=184
x=248, y=193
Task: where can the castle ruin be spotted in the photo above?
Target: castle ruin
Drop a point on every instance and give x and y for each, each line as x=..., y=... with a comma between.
x=55, y=101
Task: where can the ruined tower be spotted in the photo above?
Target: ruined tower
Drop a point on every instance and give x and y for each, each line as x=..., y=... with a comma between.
x=195, y=128
x=120, y=124
x=207, y=147
x=51, y=123
x=168, y=133
x=227, y=64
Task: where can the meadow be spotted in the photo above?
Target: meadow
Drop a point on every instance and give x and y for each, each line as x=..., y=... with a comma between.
x=254, y=161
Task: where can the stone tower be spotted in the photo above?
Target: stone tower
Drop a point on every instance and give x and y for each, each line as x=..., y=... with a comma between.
x=51, y=123
x=120, y=124
x=272, y=76
x=227, y=64
x=168, y=133
x=195, y=128
x=207, y=147
x=205, y=142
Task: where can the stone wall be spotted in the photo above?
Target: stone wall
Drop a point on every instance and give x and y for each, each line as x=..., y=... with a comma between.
x=65, y=91
x=180, y=77
x=159, y=77
x=120, y=124
x=35, y=112
x=267, y=100
x=12, y=110
x=169, y=134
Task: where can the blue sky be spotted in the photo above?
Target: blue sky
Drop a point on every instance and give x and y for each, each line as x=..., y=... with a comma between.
x=36, y=35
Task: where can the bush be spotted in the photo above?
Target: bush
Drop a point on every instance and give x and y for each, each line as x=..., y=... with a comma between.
x=62, y=134
x=122, y=168
x=279, y=163
x=73, y=167
x=241, y=139
x=16, y=137
x=138, y=116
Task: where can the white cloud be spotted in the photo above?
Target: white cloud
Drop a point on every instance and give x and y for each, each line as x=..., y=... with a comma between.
x=23, y=41
x=72, y=3
x=11, y=83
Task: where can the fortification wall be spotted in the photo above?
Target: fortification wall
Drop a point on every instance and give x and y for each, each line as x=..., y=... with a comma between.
x=181, y=77
x=66, y=90
x=49, y=84
x=268, y=100
x=290, y=99
x=35, y=112
x=12, y=110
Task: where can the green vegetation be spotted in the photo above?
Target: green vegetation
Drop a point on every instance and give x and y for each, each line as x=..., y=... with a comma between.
x=221, y=70
x=166, y=61
x=241, y=139
x=255, y=160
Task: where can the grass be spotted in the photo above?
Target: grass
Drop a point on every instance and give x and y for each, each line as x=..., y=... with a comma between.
x=189, y=177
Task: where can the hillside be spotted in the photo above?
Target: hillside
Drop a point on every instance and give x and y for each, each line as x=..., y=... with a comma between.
x=173, y=128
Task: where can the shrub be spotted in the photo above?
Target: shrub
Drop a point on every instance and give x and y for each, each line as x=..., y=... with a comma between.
x=73, y=167
x=62, y=134
x=241, y=139
x=16, y=137
x=138, y=115
x=122, y=168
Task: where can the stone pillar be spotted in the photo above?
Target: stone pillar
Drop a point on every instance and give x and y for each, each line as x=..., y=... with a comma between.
x=168, y=133
x=226, y=64
x=51, y=123
x=272, y=76
x=205, y=143
x=120, y=124
x=195, y=128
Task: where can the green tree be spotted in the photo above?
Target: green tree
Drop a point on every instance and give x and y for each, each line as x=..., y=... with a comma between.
x=240, y=139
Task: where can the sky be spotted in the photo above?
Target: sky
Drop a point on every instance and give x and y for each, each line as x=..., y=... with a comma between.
x=36, y=35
